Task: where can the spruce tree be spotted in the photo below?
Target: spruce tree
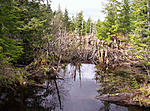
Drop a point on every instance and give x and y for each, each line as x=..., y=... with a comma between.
x=89, y=26
x=10, y=42
x=111, y=24
x=79, y=23
x=125, y=17
x=66, y=20
x=141, y=33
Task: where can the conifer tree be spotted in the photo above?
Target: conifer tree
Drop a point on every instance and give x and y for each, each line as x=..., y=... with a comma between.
x=111, y=24
x=141, y=33
x=66, y=20
x=89, y=26
x=125, y=17
x=10, y=44
x=72, y=24
x=80, y=22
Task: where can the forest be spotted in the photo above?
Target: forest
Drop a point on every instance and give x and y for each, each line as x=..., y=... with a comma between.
x=36, y=41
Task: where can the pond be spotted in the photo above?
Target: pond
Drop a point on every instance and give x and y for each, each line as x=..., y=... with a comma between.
x=75, y=89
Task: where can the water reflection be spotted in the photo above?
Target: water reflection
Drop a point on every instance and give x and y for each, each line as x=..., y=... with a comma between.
x=74, y=90
x=119, y=80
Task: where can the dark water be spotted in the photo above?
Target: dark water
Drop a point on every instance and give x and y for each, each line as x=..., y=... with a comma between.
x=75, y=92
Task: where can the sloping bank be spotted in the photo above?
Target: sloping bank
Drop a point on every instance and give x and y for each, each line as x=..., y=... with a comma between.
x=125, y=85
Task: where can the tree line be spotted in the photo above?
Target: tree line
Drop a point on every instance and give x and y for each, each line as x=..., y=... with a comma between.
x=29, y=27
x=128, y=21
x=27, y=30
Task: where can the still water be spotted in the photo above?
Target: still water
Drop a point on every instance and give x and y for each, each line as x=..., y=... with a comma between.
x=83, y=90
x=74, y=90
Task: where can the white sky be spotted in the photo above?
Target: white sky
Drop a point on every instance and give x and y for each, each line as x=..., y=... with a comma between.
x=90, y=8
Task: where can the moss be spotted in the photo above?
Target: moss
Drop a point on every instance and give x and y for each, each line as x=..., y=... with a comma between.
x=135, y=84
x=142, y=96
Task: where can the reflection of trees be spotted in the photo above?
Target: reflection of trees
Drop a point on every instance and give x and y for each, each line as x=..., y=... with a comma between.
x=52, y=97
x=44, y=99
x=35, y=98
x=77, y=69
x=58, y=93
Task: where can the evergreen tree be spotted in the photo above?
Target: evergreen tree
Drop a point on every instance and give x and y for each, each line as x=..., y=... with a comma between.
x=89, y=26
x=141, y=33
x=141, y=17
x=10, y=43
x=72, y=25
x=125, y=17
x=66, y=20
x=34, y=16
x=58, y=22
x=101, y=30
x=111, y=24
x=80, y=23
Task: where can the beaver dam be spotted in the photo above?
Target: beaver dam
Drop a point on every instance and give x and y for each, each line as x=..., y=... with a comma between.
x=56, y=60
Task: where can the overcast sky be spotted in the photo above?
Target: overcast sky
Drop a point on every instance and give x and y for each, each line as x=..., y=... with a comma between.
x=90, y=8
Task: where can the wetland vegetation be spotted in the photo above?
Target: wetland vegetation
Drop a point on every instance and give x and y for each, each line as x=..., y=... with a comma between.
x=51, y=61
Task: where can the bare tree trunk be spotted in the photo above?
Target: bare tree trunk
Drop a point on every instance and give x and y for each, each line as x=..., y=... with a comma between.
x=48, y=49
x=82, y=29
x=90, y=29
x=106, y=54
x=102, y=51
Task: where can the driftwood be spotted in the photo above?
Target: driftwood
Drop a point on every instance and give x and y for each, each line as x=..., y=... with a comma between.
x=115, y=98
x=120, y=99
x=38, y=85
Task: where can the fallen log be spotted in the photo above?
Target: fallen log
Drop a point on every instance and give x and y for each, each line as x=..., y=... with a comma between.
x=123, y=99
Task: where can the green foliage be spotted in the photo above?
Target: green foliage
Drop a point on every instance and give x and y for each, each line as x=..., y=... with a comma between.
x=130, y=19
x=117, y=20
x=36, y=17
x=102, y=32
x=111, y=24
x=142, y=97
x=140, y=37
x=125, y=17
x=23, y=27
x=10, y=50
x=80, y=23
x=66, y=20
x=135, y=84
x=10, y=46
x=72, y=24
x=89, y=26
x=6, y=80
